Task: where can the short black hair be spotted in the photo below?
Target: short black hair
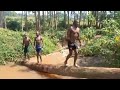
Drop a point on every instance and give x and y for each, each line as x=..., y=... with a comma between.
x=75, y=23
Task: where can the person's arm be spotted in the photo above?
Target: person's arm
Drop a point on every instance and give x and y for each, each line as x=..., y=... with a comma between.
x=79, y=38
x=78, y=31
x=68, y=34
x=42, y=41
x=23, y=43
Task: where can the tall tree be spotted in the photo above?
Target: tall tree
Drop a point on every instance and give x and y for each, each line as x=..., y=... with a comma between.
x=50, y=22
x=68, y=18
x=88, y=18
x=4, y=20
x=52, y=17
x=96, y=19
x=1, y=19
x=56, y=19
x=39, y=26
x=47, y=14
x=26, y=21
x=65, y=18
x=22, y=21
x=43, y=17
x=36, y=24
x=80, y=12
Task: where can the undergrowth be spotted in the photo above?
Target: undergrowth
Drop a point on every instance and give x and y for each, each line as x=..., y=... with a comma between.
x=11, y=45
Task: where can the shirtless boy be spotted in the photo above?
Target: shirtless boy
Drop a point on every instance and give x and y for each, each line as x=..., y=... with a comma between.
x=72, y=37
x=38, y=41
x=26, y=43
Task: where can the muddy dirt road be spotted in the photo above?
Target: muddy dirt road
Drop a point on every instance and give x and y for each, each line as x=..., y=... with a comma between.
x=13, y=71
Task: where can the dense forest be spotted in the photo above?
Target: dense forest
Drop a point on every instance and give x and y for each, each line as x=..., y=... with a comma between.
x=53, y=26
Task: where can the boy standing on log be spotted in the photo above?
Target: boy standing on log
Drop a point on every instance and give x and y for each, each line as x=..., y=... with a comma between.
x=26, y=43
x=38, y=41
x=72, y=37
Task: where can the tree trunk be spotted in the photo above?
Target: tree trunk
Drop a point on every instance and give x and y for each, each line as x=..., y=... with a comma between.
x=1, y=19
x=80, y=12
x=39, y=26
x=56, y=20
x=22, y=21
x=43, y=18
x=74, y=14
x=47, y=15
x=81, y=72
x=65, y=18
x=96, y=19
x=4, y=18
x=84, y=21
x=26, y=21
x=36, y=22
x=88, y=19
x=50, y=22
x=52, y=17
x=68, y=17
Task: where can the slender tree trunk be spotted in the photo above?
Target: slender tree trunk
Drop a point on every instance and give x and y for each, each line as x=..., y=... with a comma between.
x=22, y=21
x=36, y=24
x=88, y=19
x=68, y=17
x=96, y=19
x=56, y=20
x=74, y=14
x=52, y=20
x=4, y=18
x=26, y=21
x=80, y=12
x=39, y=27
x=1, y=19
x=47, y=15
x=65, y=18
x=43, y=18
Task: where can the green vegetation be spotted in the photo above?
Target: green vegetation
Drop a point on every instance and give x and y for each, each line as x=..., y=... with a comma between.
x=107, y=46
x=11, y=45
x=53, y=26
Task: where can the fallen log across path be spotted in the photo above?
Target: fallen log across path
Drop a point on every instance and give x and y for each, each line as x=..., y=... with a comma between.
x=80, y=72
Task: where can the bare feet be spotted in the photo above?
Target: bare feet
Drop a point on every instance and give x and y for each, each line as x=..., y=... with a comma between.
x=40, y=62
x=65, y=63
x=37, y=62
x=75, y=65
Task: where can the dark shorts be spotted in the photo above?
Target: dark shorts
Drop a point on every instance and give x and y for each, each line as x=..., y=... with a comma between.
x=72, y=45
x=38, y=48
x=26, y=50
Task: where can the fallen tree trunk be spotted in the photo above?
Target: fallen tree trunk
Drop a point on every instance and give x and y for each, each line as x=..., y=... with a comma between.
x=81, y=72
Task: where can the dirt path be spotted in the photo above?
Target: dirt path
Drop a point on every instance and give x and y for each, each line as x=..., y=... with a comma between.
x=13, y=71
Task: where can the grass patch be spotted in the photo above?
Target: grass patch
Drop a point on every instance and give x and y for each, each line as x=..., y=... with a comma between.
x=11, y=45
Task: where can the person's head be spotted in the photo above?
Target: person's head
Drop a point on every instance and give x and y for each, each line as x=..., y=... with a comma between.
x=25, y=35
x=37, y=33
x=75, y=23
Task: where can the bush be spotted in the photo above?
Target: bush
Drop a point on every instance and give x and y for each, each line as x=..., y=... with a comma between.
x=13, y=25
x=88, y=33
x=30, y=25
x=62, y=25
x=108, y=46
x=11, y=45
